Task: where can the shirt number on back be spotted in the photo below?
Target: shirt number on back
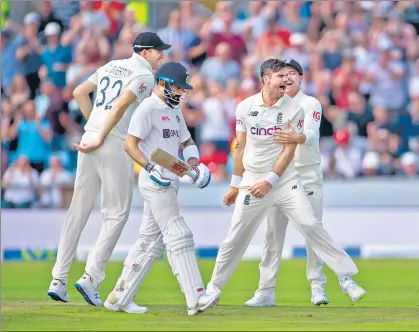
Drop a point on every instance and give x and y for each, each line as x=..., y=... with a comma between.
x=100, y=100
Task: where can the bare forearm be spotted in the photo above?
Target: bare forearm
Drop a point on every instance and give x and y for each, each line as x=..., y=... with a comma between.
x=238, y=168
x=85, y=105
x=114, y=116
x=136, y=154
x=284, y=160
x=45, y=133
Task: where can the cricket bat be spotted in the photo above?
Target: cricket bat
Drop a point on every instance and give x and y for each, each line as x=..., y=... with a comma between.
x=169, y=162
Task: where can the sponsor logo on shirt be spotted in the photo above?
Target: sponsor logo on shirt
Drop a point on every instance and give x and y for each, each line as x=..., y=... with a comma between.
x=300, y=123
x=142, y=88
x=239, y=122
x=167, y=133
x=261, y=131
x=316, y=116
x=165, y=118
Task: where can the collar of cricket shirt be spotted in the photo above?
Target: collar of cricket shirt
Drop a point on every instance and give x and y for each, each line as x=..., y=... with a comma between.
x=298, y=96
x=139, y=59
x=260, y=101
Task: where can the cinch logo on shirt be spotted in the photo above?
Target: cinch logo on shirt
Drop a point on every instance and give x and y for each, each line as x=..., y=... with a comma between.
x=167, y=133
x=260, y=131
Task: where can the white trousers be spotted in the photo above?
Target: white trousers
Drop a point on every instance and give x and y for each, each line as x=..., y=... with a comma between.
x=275, y=236
x=164, y=228
x=292, y=201
x=108, y=170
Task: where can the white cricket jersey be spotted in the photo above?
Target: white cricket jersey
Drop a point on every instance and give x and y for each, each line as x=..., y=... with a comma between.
x=308, y=154
x=112, y=80
x=159, y=126
x=260, y=122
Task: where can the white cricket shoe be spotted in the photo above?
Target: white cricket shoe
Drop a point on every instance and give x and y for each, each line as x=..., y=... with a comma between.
x=205, y=302
x=318, y=296
x=351, y=288
x=88, y=290
x=58, y=291
x=261, y=299
x=130, y=308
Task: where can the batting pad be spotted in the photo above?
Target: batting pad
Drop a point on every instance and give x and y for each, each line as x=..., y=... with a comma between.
x=133, y=275
x=180, y=245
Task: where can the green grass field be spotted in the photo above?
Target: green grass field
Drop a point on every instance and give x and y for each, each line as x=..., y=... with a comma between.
x=391, y=304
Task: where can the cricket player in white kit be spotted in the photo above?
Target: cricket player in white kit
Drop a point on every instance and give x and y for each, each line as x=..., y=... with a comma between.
x=103, y=165
x=264, y=177
x=158, y=123
x=307, y=163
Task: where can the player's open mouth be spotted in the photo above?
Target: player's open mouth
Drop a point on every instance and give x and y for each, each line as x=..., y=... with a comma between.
x=282, y=87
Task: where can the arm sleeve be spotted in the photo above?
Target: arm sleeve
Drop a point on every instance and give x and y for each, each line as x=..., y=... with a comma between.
x=312, y=123
x=240, y=123
x=141, y=87
x=140, y=124
x=297, y=121
x=184, y=132
x=93, y=78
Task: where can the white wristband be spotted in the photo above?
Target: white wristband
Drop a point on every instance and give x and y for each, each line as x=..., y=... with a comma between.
x=190, y=151
x=273, y=179
x=235, y=181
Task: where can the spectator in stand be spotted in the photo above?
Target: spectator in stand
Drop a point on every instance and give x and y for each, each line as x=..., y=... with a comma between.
x=19, y=92
x=348, y=157
x=274, y=40
x=52, y=183
x=359, y=116
x=64, y=10
x=94, y=20
x=20, y=182
x=192, y=108
x=387, y=77
x=33, y=134
x=221, y=67
x=409, y=165
x=47, y=16
x=9, y=63
x=176, y=36
x=361, y=60
x=345, y=80
x=291, y=19
x=191, y=19
x=371, y=164
x=80, y=70
x=297, y=49
x=214, y=127
x=72, y=37
x=56, y=58
x=236, y=42
x=29, y=52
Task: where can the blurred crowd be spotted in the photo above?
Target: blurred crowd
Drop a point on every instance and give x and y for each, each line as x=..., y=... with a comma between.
x=360, y=59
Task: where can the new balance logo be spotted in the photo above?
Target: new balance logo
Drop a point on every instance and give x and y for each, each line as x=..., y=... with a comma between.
x=254, y=113
x=310, y=193
x=246, y=200
x=293, y=187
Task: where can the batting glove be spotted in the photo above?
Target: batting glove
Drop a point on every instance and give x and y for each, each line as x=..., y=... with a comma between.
x=200, y=175
x=156, y=176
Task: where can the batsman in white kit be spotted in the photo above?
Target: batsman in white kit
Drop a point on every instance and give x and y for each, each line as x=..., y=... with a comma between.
x=158, y=123
x=307, y=163
x=103, y=165
x=264, y=178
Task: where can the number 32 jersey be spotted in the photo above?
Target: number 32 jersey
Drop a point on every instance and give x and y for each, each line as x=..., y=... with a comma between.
x=112, y=80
